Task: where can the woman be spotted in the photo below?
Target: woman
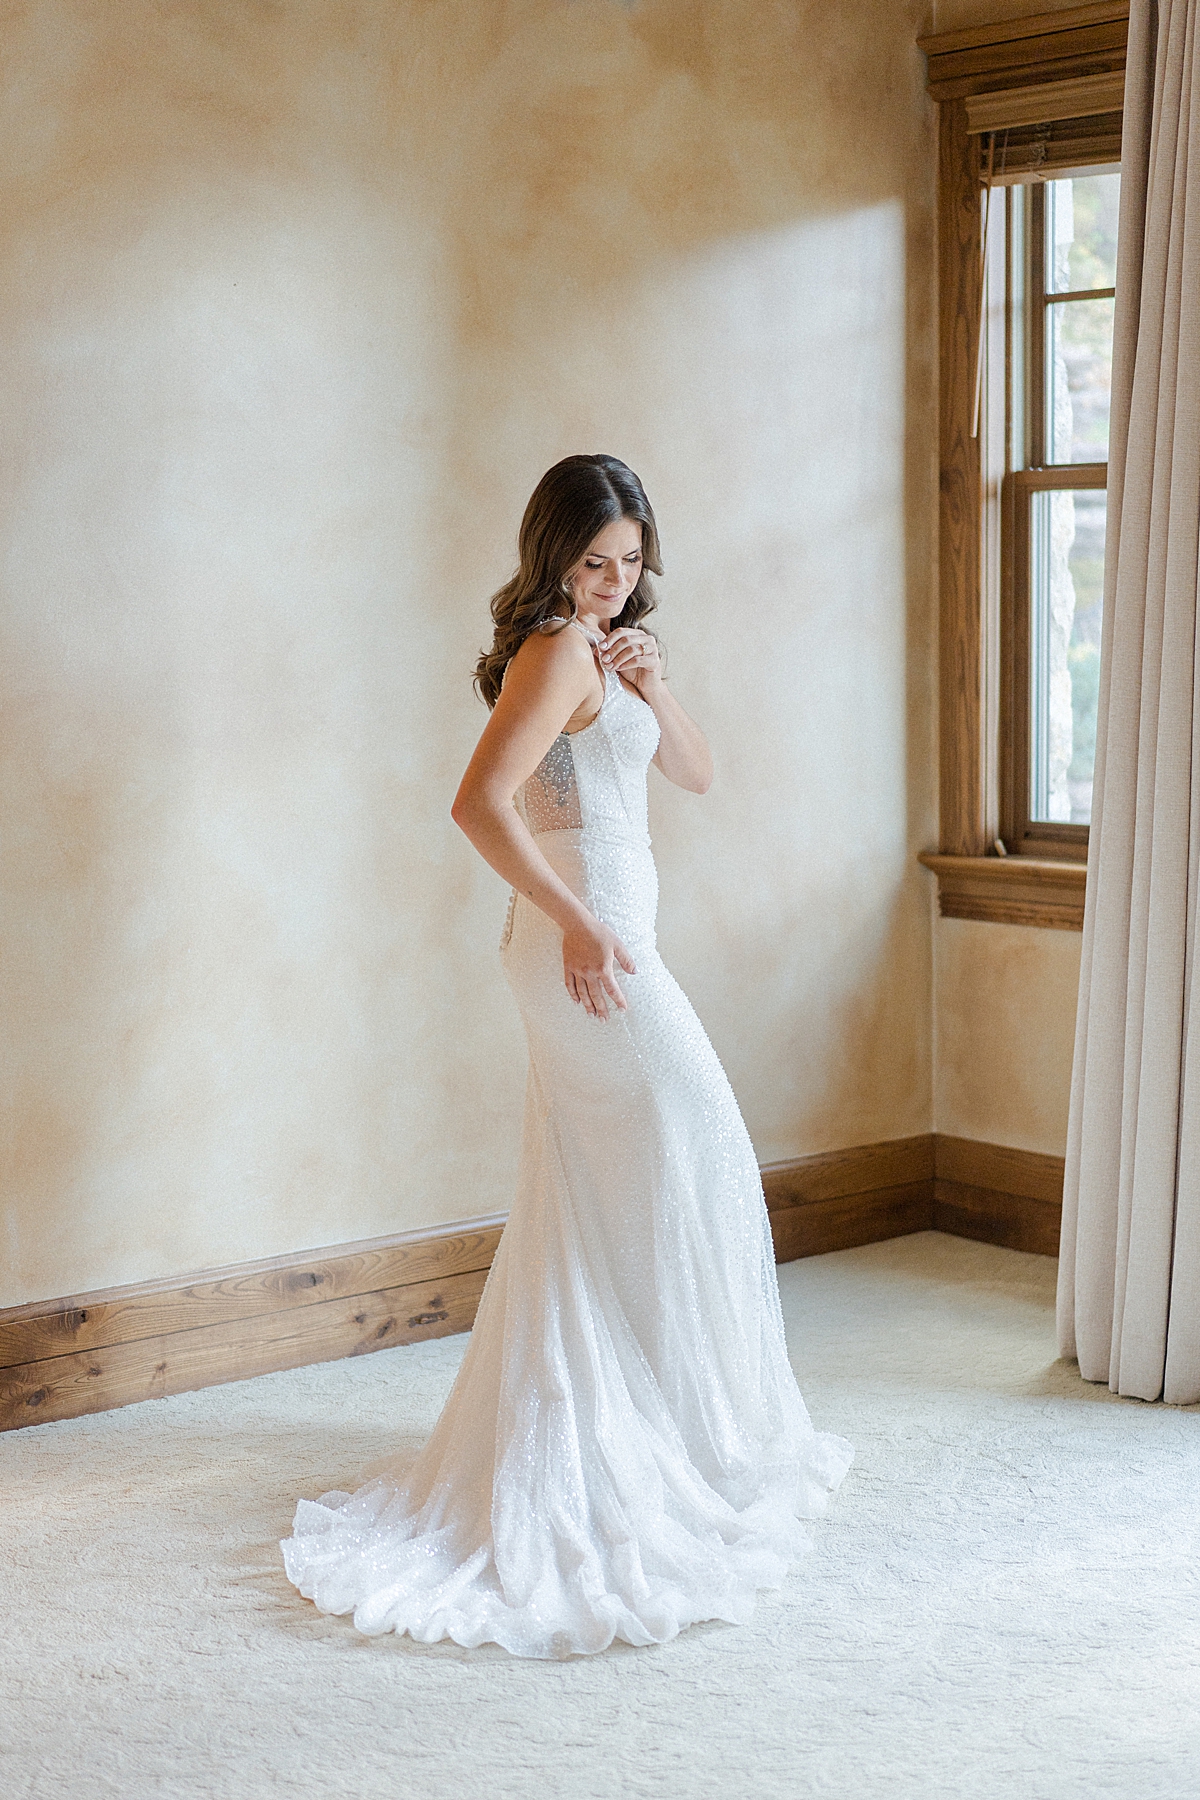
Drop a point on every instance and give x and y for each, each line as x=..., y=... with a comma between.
x=625, y=1451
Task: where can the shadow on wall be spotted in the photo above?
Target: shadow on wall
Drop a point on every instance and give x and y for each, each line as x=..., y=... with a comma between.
x=304, y=301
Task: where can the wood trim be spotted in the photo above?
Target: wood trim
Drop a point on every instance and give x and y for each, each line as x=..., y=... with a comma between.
x=999, y=1168
x=1062, y=476
x=846, y=1223
x=1064, y=55
x=63, y=1358
x=843, y=1198
x=244, y=1291
x=1033, y=452
x=60, y=1359
x=963, y=809
x=1012, y=1221
x=998, y=1195
x=1045, y=841
x=1010, y=890
x=1008, y=31
x=1074, y=146
x=64, y=1387
x=1086, y=96
x=833, y=1174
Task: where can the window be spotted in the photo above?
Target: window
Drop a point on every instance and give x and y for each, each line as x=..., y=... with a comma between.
x=1030, y=115
x=1059, y=272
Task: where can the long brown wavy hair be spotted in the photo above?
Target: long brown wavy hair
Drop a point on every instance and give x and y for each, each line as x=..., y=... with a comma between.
x=571, y=505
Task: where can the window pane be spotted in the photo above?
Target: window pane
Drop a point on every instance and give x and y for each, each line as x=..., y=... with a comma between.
x=1066, y=602
x=1078, y=380
x=1081, y=233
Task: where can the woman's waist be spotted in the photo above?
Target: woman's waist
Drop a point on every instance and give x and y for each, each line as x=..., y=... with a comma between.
x=599, y=834
x=614, y=876
x=627, y=911
x=591, y=860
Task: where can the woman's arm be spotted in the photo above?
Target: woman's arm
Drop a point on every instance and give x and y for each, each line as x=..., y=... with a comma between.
x=547, y=681
x=683, y=754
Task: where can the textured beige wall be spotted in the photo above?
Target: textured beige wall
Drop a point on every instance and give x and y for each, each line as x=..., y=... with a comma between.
x=299, y=300
x=1004, y=1032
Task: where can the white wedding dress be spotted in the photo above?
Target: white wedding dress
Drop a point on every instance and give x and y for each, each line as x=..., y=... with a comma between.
x=625, y=1451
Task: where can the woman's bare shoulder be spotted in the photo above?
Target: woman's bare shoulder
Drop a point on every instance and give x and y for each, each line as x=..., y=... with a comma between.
x=554, y=652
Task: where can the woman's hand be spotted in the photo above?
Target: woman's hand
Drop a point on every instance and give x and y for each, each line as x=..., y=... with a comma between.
x=683, y=754
x=589, y=951
x=633, y=654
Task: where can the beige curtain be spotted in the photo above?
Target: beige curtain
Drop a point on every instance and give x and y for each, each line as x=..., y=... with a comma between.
x=1129, y=1276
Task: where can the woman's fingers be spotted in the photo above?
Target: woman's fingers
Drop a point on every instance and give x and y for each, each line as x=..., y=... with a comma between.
x=612, y=988
x=596, y=993
x=589, y=974
x=626, y=649
x=581, y=992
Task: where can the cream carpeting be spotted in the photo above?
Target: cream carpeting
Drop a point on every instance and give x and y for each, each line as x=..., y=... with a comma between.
x=1003, y=1602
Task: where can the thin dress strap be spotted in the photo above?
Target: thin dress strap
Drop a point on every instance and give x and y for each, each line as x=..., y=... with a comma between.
x=593, y=637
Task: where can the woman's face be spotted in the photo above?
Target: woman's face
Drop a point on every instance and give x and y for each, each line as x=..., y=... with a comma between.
x=608, y=572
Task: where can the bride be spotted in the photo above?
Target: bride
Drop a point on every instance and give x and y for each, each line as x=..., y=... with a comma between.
x=625, y=1451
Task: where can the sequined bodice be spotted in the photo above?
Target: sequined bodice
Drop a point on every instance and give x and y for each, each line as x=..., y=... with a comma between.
x=594, y=780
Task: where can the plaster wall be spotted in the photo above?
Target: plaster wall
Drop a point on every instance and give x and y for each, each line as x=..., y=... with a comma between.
x=299, y=300
x=1004, y=1032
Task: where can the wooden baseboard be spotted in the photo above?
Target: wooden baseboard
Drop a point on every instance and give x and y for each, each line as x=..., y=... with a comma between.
x=843, y=1198
x=997, y=1195
x=60, y=1359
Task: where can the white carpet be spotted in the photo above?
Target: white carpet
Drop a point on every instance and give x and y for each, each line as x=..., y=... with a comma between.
x=1003, y=1602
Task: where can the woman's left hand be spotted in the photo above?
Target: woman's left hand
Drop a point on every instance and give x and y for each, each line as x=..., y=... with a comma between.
x=633, y=654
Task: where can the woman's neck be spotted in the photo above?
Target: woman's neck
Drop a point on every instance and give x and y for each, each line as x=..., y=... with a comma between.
x=595, y=622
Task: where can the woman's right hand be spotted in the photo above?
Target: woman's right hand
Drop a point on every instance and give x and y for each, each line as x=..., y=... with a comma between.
x=589, y=952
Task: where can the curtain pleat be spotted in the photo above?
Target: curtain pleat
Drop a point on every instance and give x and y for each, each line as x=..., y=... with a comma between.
x=1129, y=1274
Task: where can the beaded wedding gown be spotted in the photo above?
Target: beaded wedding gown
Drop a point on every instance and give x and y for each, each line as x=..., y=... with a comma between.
x=625, y=1451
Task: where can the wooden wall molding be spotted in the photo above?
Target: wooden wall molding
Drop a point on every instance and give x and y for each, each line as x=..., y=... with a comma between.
x=964, y=822
x=997, y=1195
x=63, y=1358
x=1014, y=890
x=1056, y=46
x=839, y=1199
x=246, y=1290
x=60, y=1359
x=1020, y=30
x=1086, y=96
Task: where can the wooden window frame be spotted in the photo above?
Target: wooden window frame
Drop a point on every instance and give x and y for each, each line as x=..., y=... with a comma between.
x=1023, y=835
x=1042, y=71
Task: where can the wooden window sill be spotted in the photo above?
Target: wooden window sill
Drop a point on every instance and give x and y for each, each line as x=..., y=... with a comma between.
x=1009, y=890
